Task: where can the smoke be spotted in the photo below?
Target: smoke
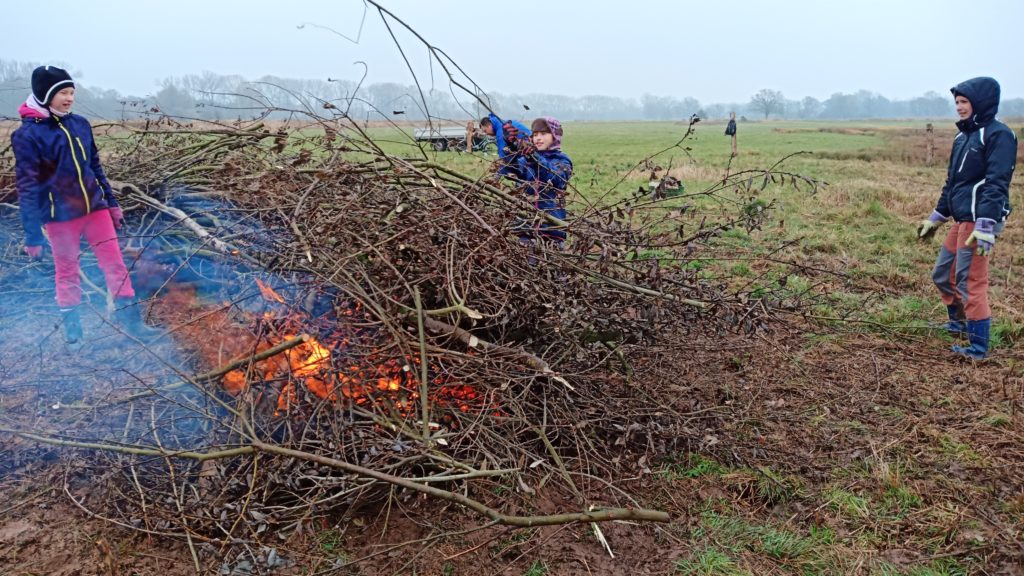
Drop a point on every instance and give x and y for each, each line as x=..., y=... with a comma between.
x=75, y=389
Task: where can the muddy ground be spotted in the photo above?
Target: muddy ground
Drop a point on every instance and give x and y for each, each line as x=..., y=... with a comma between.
x=873, y=415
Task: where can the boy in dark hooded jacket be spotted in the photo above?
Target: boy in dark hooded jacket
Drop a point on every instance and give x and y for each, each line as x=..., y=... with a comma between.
x=62, y=187
x=977, y=197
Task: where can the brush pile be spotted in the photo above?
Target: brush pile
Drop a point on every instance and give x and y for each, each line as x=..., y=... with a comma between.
x=362, y=319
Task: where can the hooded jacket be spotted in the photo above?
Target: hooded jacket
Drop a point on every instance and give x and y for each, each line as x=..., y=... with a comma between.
x=58, y=171
x=506, y=149
x=982, y=161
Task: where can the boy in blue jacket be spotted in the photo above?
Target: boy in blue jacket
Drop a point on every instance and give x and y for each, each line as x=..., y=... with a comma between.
x=508, y=137
x=544, y=172
x=62, y=187
x=977, y=197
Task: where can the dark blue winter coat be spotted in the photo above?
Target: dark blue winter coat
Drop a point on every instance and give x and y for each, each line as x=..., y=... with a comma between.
x=58, y=171
x=544, y=177
x=982, y=161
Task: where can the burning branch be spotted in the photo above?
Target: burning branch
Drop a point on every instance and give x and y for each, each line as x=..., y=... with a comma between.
x=242, y=362
x=221, y=371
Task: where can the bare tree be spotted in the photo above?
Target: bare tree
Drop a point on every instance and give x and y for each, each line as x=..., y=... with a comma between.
x=768, y=101
x=810, y=107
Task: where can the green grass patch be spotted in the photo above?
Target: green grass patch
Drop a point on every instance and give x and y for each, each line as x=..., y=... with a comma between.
x=809, y=553
x=906, y=310
x=847, y=503
x=957, y=450
x=691, y=465
x=899, y=501
x=997, y=420
x=1005, y=332
x=330, y=542
x=741, y=270
x=783, y=545
x=941, y=567
x=774, y=488
x=874, y=209
x=708, y=562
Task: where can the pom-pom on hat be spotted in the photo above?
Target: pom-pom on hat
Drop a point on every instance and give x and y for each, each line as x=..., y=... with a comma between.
x=47, y=81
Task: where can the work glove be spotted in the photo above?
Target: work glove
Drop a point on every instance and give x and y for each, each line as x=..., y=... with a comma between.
x=118, y=217
x=526, y=147
x=511, y=132
x=984, y=236
x=34, y=252
x=928, y=227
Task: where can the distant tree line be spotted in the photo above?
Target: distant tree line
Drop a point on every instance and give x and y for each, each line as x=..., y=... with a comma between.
x=227, y=97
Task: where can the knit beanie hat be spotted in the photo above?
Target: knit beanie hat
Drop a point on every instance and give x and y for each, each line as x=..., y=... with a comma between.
x=550, y=125
x=47, y=81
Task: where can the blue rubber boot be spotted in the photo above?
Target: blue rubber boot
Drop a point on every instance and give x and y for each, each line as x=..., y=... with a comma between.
x=977, y=335
x=957, y=325
x=72, y=322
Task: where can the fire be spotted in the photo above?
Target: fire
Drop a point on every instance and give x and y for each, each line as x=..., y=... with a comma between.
x=461, y=395
x=309, y=361
x=234, y=382
x=268, y=293
x=326, y=369
x=310, y=358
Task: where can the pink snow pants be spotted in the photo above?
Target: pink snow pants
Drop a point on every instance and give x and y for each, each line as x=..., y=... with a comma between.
x=66, y=238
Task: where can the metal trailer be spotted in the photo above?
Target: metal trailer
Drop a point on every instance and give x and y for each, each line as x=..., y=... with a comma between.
x=451, y=138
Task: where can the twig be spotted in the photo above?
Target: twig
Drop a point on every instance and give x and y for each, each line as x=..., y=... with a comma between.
x=472, y=341
x=601, y=515
x=604, y=515
x=424, y=391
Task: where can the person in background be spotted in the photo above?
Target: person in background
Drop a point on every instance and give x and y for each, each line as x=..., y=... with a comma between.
x=543, y=171
x=63, y=189
x=508, y=137
x=976, y=196
x=730, y=130
x=470, y=136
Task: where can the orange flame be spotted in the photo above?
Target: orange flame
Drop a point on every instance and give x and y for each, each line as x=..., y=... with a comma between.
x=268, y=293
x=234, y=382
x=363, y=381
x=310, y=361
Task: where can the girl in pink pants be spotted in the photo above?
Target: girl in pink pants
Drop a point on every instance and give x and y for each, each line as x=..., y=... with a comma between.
x=65, y=240
x=62, y=188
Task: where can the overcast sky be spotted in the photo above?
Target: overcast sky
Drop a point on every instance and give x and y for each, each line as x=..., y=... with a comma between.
x=713, y=51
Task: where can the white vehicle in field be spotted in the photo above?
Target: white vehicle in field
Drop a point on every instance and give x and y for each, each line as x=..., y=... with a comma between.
x=453, y=138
